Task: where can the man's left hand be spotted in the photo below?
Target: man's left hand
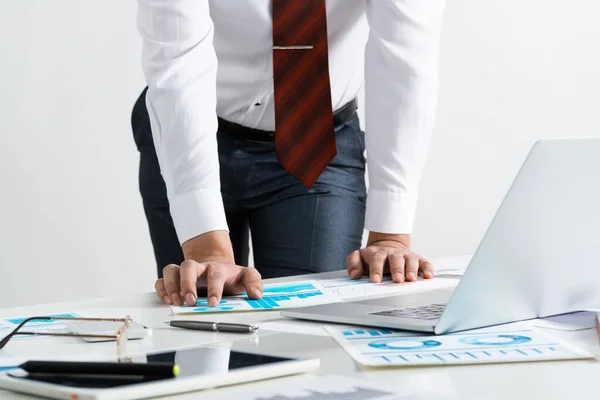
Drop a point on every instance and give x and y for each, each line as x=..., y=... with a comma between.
x=386, y=253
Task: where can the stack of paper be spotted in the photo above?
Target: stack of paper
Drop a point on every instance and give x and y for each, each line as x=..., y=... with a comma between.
x=279, y=296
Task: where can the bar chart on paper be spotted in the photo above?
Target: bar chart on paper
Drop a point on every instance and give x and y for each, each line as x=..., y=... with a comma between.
x=7, y=325
x=387, y=347
x=275, y=297
x=368, y=332
x=330, y=387
x=350, y=394
x=9, y=362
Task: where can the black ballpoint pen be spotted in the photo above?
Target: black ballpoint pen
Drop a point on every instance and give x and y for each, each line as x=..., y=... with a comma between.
x=161, y=369
x=214, y=326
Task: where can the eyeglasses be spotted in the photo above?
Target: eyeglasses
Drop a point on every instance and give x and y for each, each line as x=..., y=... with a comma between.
x=121, y=336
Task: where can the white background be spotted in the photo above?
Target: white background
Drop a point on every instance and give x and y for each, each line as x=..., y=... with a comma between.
x=71, y=218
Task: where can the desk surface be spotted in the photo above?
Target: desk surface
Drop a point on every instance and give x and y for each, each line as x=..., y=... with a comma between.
x=541, y=380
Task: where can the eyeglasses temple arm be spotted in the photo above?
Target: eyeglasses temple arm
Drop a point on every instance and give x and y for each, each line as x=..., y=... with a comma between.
x=4, y=341
x=80, y=335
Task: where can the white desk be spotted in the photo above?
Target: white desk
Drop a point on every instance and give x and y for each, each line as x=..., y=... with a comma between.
x=541, y=380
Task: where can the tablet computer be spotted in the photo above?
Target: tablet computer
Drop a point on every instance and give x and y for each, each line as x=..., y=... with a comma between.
x=200, y=368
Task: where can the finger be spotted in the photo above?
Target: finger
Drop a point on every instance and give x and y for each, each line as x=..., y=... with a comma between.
x=427, y=268
x=171, y=277
x=354, y=265
x=215, y=281
x=397, y=264
x=161, y=291
x=252, y=283
x=189, y=277
x=412, y=267
x=376, y=264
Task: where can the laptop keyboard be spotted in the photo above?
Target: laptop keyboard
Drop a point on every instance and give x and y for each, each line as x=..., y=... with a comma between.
x=427, y=312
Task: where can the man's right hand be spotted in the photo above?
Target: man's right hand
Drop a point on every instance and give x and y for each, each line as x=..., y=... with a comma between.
x=209, y=261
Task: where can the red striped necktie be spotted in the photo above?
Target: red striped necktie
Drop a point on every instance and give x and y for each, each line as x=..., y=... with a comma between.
x=304, y=132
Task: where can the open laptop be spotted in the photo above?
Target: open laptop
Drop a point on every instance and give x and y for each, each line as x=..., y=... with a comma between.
x=540, y=255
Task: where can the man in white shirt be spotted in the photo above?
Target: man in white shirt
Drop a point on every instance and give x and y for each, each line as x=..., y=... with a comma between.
x=249, y=124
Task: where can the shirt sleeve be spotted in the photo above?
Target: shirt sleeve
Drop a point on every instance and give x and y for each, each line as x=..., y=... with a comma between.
x=180, y=66
x=401, y=90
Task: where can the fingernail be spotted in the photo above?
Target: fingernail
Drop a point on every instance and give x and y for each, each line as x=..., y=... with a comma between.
x=376, y=278
x=177, y=299
x=411, y=276
x=212, y=301
x=190, y=299
x=167, y=299
x=398, y=277
x=428, y=274
x=257, y=292
x=354, y=273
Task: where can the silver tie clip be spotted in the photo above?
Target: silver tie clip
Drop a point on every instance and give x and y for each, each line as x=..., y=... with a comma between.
x=297, y=47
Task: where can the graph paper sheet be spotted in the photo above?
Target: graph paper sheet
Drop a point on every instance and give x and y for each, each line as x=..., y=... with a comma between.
x=276, y=296
x=383, y=347
x=331, y=387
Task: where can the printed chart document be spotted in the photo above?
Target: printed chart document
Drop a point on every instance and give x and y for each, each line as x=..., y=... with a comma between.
x=454, y=266
x=350, y=289
x=383, y=347
x=568, y=322
x=9, y=324
x=276, y=296
x=9, y=363
x=331, y=387
x=10, y=358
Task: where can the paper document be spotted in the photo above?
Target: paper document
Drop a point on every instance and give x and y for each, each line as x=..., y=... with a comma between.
x=383, y=347
x=276, y=296
x=350, y=289
x=11, y=363
x=9, y=324
x=279, y=296
x=331, y=387
x=568, y=322
x=7, y=361
x=454, y=266
x=298, y=326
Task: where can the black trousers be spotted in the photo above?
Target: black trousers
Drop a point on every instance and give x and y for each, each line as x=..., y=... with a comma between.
x=294, y=230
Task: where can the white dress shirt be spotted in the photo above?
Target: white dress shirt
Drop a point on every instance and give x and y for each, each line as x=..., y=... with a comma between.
x=209, y=58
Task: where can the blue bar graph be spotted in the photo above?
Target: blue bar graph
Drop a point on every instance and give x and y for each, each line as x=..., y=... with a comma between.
x=293, y=287
x=289, y=288
x=274, y=297
x=373, y=332
x=274, y=301
x=17, y=321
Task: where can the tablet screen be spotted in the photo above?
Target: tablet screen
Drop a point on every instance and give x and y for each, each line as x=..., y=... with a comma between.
x=201, y=361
